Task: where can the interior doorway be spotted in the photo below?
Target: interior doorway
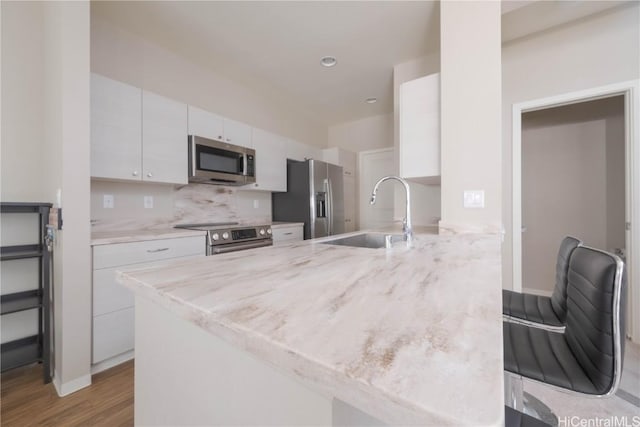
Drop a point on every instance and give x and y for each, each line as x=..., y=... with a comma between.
x=373, y=165
x=590, y=198
x=573, y=183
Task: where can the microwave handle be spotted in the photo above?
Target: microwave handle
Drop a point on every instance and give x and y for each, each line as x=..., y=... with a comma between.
x=244, y=164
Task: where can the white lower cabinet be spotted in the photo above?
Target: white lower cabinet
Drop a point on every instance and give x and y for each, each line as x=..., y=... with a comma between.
x=113, y=334
x=287, y=234
x=113, y=304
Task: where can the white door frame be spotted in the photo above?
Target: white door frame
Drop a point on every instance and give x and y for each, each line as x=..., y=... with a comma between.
x=631, y=91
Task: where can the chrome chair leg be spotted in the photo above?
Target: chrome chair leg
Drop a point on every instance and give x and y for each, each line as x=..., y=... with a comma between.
x=513, y=394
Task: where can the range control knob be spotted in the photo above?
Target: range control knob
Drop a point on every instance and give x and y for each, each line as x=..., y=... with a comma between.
x=268, y=231
x=262, y=232
x=215, y=236
x=225, y=235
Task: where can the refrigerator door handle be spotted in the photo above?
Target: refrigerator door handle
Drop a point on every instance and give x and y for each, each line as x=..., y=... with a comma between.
x=330, y=207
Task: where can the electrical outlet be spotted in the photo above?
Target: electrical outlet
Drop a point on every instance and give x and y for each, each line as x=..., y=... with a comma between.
x=148, y=202
x=474, y=199
x=256, y=204
x=107, y=201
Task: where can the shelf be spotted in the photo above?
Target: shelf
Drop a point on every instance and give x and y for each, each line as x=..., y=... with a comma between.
x=24, y=351
x=20, y=301
x=19, y=207
x=20, y=252
x=36, y=348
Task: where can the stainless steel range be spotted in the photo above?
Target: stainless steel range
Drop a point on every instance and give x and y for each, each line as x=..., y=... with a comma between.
x=223, y=237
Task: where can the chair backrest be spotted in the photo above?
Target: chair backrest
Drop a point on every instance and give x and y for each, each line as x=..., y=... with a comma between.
x=559, y=297
x=595, y=315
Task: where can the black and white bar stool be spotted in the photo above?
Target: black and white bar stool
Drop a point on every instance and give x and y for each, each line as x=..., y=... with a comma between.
x=587, y=357
x=540, y=311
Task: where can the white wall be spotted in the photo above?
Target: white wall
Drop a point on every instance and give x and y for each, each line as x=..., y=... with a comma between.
x=66, y=147
x=123, y=56
x=470, y=82
x=45, y=147
x=425, y=198
x=370, y=133
x=22, y=115
x=596, y=51
x=572, y=183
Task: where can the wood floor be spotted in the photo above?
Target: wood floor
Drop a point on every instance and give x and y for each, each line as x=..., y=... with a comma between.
x=26, y=401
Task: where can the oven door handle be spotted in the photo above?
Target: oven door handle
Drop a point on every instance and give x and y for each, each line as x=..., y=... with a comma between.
x=215, y=250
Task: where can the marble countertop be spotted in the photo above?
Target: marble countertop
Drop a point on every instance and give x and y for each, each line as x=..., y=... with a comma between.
x=110, y=237
x=412, y=336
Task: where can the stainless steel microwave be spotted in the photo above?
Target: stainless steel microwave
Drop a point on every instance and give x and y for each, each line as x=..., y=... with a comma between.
x=216, y=162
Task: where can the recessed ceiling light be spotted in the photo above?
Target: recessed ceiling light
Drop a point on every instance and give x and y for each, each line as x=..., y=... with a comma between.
x=328, y=61
x=371, y=100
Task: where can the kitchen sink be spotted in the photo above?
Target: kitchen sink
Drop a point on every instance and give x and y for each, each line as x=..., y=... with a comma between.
x=367, y=240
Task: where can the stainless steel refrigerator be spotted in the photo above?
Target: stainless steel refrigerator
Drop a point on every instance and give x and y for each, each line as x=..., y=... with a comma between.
x=315, y=196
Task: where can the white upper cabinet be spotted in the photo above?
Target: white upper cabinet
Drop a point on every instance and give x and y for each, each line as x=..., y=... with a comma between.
x=205, y=124
x=237, y=133
x=271, y=161
x=208, y=125
x=136, y=135
x=116, y=129
x=420, y=129
x=164, y=139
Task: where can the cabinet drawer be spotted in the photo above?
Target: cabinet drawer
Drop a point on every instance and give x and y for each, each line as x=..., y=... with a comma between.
x=286, y=234
x=113, y=334
x=119, y=254
x=108, y=294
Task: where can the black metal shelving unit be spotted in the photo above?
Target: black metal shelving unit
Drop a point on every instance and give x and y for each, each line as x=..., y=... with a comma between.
x=35, y=348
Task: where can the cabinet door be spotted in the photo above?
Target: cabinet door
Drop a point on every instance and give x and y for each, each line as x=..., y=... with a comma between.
x=283, y=235
x=113, y=334
x=205, y=124
x=271, y=162
x=116, y=129
x=420, y=127
x=108, y=294
x=348, y=161
x=349, y=203
x=164, y=139
x=340, y=157
x=237, y=133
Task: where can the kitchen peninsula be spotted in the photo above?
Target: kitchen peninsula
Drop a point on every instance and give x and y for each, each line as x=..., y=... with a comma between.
x=317, y=334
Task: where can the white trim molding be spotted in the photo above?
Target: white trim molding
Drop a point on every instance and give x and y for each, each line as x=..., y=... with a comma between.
x=71, y=386
x=631, y=92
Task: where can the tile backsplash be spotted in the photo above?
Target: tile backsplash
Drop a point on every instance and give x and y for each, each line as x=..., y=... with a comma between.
x=173, y=205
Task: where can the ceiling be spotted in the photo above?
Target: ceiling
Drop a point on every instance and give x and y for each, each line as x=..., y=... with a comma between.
x=280, y=44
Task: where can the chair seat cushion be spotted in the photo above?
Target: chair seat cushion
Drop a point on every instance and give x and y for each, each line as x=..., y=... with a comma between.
x=533, y=308
x=544, y=356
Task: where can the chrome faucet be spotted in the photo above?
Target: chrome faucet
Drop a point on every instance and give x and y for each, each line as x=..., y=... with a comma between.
x=407, y=229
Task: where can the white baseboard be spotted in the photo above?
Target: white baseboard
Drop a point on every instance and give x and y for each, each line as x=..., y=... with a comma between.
x=111, y=362
x=71, y=386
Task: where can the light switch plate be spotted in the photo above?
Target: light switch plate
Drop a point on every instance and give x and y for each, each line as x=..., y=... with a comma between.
x=148, y=202
x=256, y=204
x=107, y=201
x=474, y=198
